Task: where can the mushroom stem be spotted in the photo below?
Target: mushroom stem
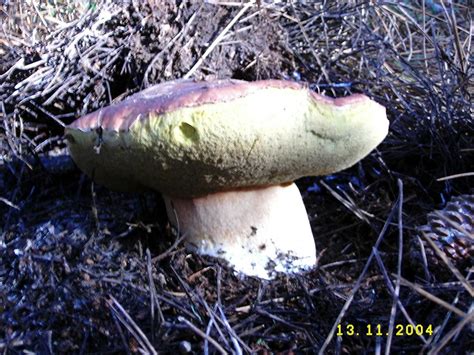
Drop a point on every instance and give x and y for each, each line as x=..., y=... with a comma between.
x=259, y=231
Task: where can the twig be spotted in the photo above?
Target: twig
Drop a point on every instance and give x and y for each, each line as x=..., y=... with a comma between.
x=203, y=335
x=168, y=45
x=278, y=319
x=233, y=336
x=212, y=322
x=248, y=308
x=449, y=264
x=153, y=298
x=469, y=318
x=357, y=284
x=436, y=336
x=217, y=40
x=20, y=65
x=348, y=203
x=339, y=263
x=208, y=332
x=313, y=51
x=455, y=176
x=424, y=259
x=168, y=251
x=396, y=293
x=432, y=297
x=47, y=113
x=392, y=290
x=129, y=323
x=8, y=203
x=122, y=336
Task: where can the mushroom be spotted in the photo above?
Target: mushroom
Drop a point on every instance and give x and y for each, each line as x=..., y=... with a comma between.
x=224, y=154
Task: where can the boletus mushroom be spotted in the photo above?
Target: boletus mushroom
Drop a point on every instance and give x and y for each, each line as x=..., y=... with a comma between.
x=224, y=154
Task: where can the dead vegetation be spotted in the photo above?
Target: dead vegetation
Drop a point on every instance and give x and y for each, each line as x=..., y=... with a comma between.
x=86, y=270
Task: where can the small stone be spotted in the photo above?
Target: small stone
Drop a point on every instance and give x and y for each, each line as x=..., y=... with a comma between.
x=185, y=347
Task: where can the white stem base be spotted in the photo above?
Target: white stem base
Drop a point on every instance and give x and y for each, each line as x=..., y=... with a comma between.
x=259, y=232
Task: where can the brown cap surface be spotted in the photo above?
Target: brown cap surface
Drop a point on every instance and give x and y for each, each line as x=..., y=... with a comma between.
x=188, y=138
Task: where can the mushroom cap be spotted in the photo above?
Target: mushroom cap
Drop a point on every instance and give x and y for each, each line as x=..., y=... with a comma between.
x=187, y=138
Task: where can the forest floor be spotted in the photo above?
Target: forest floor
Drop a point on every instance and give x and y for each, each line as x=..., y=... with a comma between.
x=87, y=270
